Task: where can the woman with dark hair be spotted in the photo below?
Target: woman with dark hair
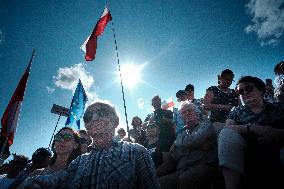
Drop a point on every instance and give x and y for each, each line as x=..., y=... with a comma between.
x=219, y=100
x=66, y=147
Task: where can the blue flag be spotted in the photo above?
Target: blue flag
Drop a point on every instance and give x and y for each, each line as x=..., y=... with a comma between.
x=77, y=106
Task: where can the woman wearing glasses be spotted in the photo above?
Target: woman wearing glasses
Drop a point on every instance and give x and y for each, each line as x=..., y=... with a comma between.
x=250, y=143
x=66, y=147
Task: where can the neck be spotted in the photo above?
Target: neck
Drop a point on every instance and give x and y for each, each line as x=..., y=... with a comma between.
x=103, y=145
x=223, y=88
x=61, y=161
x=258, y=107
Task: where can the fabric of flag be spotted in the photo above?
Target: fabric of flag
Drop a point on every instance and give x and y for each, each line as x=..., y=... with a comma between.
x=168, y=104
x=11, y=115
x=90, y=45
x=77, y=106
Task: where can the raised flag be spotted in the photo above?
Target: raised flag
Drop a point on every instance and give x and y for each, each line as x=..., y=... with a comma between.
x=90, y=45
x=9, y=120
x=77, y=107
x=168, y=104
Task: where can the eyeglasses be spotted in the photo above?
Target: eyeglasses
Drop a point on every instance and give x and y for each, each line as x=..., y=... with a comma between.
x=64, y=137
x=247, y=89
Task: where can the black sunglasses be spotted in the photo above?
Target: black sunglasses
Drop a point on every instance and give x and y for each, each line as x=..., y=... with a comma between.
x=247, y=89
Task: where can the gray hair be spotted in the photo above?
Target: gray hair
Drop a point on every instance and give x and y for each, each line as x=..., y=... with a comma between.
x=99, y=110
x=190, y=106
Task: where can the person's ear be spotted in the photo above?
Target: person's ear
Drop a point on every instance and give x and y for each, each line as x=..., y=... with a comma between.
x=219, y=77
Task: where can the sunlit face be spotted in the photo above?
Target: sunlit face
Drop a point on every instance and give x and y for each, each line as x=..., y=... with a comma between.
x=249, y=94
x=226, y=80
x=156, y=103
x=136, y=121
x=189, y=116
x=64, y=142
x=190, y=94
x=101, y=129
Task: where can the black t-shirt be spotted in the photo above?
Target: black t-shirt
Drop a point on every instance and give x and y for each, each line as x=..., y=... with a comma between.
x=223, y=98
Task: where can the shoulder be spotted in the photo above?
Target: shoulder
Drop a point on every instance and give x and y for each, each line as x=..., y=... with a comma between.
x=212, y=88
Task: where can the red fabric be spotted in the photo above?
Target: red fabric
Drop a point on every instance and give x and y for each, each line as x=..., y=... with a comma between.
x=91, y=45
x=10, y=116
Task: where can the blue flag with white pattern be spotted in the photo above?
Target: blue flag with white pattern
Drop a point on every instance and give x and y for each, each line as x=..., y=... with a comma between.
x=77, y=106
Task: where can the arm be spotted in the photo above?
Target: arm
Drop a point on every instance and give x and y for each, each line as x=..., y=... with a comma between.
x=208, y=103
x=145, y=170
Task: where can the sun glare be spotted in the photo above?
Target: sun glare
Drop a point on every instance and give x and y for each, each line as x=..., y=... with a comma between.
x=131, y=74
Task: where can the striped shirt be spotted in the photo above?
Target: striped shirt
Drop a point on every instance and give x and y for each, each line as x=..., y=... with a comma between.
x=122, y=166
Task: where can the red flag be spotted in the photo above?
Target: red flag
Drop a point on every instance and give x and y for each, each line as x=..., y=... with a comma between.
x=10, y=117
x=168, y=104
x=90, y=45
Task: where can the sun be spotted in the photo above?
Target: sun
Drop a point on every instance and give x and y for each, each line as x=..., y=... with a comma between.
x=131, y=74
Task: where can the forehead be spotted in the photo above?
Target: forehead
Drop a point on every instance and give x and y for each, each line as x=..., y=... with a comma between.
x=244, y=84
x=66, y=131
x=227, y=76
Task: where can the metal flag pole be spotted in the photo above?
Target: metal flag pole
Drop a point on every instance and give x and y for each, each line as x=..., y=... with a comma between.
x=121, y=84
x=61, y=111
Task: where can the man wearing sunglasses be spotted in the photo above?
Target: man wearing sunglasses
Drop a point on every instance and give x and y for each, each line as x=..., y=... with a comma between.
x=109, y=164
x=250, y=143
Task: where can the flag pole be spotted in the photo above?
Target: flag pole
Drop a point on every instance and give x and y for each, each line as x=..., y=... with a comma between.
x=14, y=113
x=54, y=131
x=121, y=83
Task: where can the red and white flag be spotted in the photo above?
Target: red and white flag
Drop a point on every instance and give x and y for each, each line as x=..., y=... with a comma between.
x=90, y=45
x=168, y=104
x=11, y=115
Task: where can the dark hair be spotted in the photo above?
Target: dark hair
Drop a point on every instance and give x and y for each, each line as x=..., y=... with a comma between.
x=76, y=152
x=40, y=155
x=180, y=93
x=278, y=66
x=227, y=72
x=258, y=83
x=189, y=87
x=136, y=117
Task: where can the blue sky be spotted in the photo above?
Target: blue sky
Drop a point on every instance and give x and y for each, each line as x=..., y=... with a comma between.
x=179, y=42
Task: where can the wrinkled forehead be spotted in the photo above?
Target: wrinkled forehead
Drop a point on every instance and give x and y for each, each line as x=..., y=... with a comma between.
x=97, y=111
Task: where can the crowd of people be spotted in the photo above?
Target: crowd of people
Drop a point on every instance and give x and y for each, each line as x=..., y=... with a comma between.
x=231, y=138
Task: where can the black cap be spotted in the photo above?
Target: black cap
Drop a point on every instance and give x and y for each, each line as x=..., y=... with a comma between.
x=189, y=87
x=227, y=71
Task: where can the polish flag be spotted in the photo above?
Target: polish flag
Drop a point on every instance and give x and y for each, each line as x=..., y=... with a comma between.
x=9, y=120
x=168, y=104
x=90, y=45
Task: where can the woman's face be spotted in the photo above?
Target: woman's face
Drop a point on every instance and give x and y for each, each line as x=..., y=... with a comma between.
x=189, y=116
x=64, y=142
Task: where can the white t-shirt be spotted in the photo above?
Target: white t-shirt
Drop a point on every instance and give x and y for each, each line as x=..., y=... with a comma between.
x=4, y=181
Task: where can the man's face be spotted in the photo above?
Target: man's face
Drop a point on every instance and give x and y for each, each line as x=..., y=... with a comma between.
x=226, y=80
x=156, y=103
x=190, y=94
x=249, y=94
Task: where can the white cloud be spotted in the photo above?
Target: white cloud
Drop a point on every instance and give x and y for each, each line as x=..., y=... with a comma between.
x=68, y=77
x=49, y=89
x=140, y=103
x=267, y=20
x=2, y=37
